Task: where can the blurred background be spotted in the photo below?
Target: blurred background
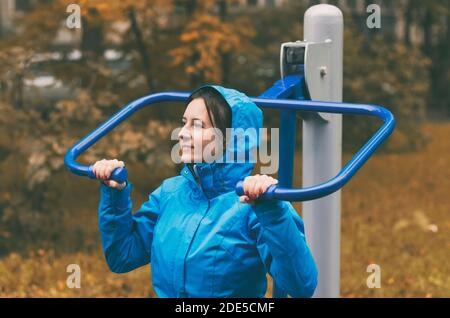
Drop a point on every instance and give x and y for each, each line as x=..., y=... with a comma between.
x=57, y=84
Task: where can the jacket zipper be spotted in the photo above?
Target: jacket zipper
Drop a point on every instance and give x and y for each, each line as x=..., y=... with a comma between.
x=183, y=293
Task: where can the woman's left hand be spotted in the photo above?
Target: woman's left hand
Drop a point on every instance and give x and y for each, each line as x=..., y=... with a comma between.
x=254, y=186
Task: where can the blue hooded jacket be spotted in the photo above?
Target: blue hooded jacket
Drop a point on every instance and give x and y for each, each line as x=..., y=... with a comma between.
x=200, y=240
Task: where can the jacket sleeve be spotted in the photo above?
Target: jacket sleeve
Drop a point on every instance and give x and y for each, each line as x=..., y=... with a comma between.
x=126, y=238
x=281, y=243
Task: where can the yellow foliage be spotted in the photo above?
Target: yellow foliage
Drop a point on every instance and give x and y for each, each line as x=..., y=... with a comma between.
x=204, y=41
x=113, y=10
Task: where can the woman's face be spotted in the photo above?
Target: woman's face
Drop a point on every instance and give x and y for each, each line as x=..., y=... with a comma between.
x=197, y=133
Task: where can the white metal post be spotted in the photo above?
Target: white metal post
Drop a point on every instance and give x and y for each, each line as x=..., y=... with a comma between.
x=322, y=150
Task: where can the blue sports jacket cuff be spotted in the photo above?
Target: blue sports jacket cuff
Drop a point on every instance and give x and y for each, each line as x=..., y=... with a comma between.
x=269, y=211
x=115, y=197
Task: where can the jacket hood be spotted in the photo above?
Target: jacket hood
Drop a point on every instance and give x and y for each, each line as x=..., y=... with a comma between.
x=220, y=177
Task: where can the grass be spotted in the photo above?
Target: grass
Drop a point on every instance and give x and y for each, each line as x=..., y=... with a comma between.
x=394, y=214
x=44, y=274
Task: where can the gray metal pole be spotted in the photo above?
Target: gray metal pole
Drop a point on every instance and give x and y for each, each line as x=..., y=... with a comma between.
x=322, y=150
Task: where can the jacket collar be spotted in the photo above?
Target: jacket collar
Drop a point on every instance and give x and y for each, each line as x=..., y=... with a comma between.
x=215, y=178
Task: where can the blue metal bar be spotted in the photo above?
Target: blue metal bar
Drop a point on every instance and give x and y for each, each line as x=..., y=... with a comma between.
x=330, y=186
x=274, y=192
x=119, y=174
x=288, y=87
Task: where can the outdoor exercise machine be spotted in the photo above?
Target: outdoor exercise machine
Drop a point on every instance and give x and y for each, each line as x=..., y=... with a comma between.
x=310, y=85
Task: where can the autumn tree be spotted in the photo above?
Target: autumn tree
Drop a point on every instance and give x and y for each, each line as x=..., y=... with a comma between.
x=208, y=39
x=35, y=197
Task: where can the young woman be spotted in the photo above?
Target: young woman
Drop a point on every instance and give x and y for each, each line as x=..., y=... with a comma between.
x=201, y=239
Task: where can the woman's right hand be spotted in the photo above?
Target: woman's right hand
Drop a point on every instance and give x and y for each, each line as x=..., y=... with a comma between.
x=103, y=169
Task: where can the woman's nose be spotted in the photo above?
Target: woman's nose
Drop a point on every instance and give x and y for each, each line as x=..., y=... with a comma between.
x=184, y=134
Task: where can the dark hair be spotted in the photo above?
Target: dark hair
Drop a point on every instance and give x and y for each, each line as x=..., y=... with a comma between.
x=219, y=111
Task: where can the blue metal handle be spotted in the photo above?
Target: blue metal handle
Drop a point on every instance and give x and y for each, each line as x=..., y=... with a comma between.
x=330, y=186
x=119, y=174
x=274, y=192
